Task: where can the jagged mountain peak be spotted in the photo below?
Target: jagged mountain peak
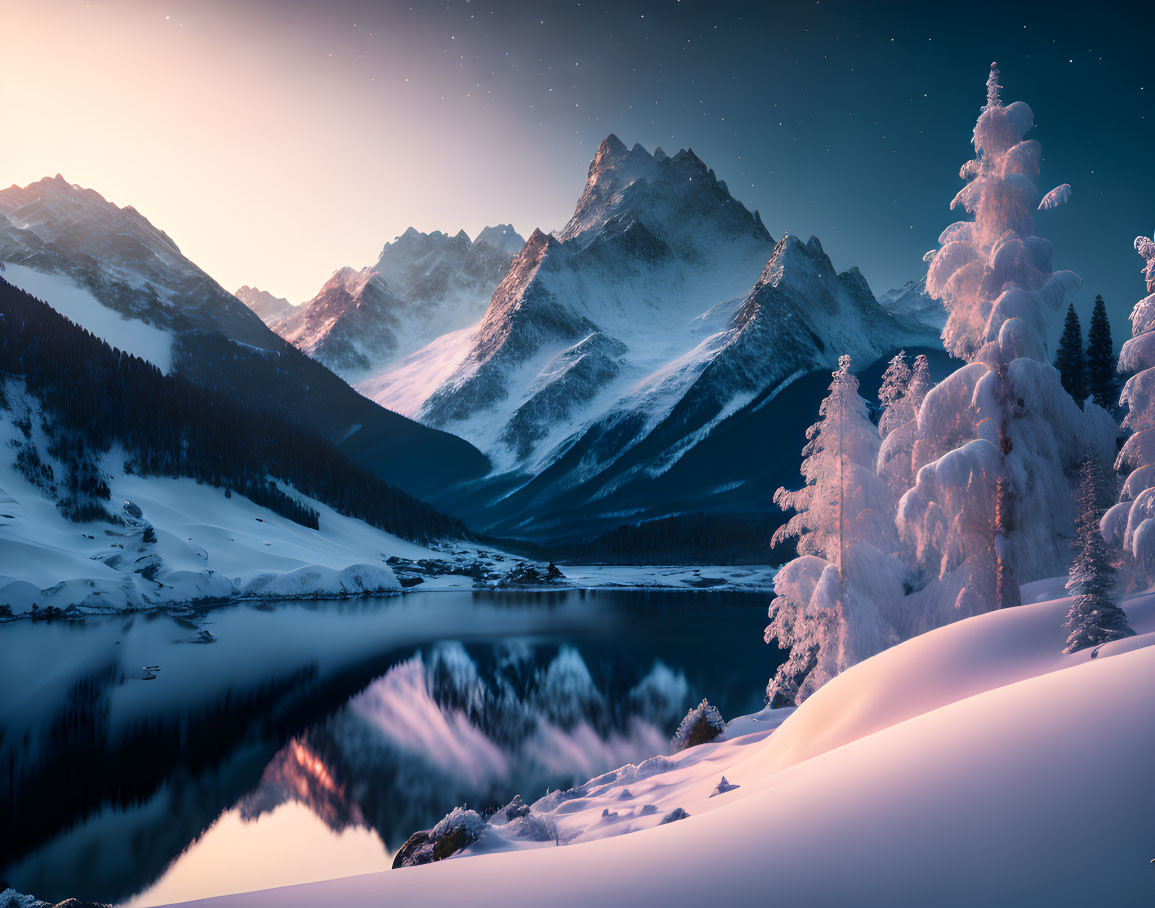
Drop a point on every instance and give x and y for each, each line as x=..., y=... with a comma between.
x=54, y=209
x=353, y=280
x=792, y=256
x=679, y=198
x=501, y=236
x=269, y=307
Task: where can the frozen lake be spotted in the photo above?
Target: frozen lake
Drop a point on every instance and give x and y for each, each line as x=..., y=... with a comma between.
x=153, y=758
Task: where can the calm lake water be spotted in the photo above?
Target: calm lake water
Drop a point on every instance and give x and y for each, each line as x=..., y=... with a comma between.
x=144, y=762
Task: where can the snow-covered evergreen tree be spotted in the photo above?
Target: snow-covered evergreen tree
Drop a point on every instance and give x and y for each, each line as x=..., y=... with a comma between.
x=1093, y=617
x=892, y=395
x=1130, y=524
x=838, y=602
x=842, y=500
x=1069, y=357
x=991, y=504
x=899, y=428
x=1100, y=357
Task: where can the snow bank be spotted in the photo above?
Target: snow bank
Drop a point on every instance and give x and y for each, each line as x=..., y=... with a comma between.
x=946, y=770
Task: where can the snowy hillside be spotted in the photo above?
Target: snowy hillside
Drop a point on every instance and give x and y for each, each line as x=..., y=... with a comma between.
x=110, y=270
x=950, y=770
x=423, y=285
x=206, y=546
x=615, y=347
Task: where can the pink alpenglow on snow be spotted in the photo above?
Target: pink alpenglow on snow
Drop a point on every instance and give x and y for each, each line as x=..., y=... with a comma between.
x=1129, y=523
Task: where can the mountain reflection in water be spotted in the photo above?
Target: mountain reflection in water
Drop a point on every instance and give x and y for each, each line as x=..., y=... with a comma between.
x=343, y=726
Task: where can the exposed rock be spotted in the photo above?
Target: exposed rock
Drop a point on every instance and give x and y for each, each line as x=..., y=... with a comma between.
x=702, y=724
x=723, y=787
x=673, y=816
x=516, y=808
x=528, y=574
x=418, y=849
x=459, y=829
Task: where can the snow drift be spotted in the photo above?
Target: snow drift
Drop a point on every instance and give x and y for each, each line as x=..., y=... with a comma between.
x=937, y=772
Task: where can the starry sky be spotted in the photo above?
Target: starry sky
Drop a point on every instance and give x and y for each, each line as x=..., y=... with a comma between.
x=277, y=141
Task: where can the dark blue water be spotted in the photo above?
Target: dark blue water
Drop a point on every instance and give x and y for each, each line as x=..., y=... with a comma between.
x=144, y=761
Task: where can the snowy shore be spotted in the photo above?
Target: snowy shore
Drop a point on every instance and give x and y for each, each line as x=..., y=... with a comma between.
x=180, y=543
x=958, y=768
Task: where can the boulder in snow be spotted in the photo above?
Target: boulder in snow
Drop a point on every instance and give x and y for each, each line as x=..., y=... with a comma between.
x=724, y=786
x=702, y=724
x=459, y=829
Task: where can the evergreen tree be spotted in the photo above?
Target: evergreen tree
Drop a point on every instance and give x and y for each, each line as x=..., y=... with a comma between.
x=1093, y=617
x=899, y=427
x=833, y=604
x=892, y=395
x=1002, y=427
x=843, y=499
x=1130, y=524
x=1100, y=358
x=1069, y=358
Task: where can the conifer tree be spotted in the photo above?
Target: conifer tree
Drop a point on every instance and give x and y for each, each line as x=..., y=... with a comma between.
x=1100, y=358
x=1069, y=357
x=834, y=603
x=899, y=427
x=1130, y=524
x=843, y=499
x=1093, y=618
x=892, y=395
x=1002, y=428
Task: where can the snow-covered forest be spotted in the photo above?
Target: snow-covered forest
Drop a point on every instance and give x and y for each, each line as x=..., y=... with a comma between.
x=992, y=478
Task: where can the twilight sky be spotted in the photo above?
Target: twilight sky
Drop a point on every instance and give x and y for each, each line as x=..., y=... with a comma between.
x=278, y=141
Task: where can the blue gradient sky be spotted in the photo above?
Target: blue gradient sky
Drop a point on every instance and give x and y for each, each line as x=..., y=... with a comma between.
x=277, y=141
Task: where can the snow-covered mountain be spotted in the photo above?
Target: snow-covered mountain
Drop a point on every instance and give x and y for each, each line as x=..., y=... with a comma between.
x=111, y=271
x=911, y=304
x=347, y=324
x=268, y=307
x=503, y=237
x=615, y=347
x=422, y=285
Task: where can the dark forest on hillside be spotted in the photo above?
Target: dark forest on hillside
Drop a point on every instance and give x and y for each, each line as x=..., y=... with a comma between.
x=98, y=396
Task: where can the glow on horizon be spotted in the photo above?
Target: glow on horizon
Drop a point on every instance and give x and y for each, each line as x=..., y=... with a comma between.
x=268, y=162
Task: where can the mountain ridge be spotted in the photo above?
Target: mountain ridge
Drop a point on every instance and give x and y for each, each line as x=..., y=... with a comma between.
x=113, y=260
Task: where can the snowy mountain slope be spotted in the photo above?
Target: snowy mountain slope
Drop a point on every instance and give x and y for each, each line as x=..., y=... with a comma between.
x=345, y=325
x=77, y=303
x=911, y=304
x=135, y=271
x=422, y=286
x=207, y=546
x=268, y=308
x=661, y=310
x=982, y=719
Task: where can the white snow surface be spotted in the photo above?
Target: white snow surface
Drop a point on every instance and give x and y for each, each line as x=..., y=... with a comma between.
x=208, y=547
x=956, y=769
x=78, y=303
